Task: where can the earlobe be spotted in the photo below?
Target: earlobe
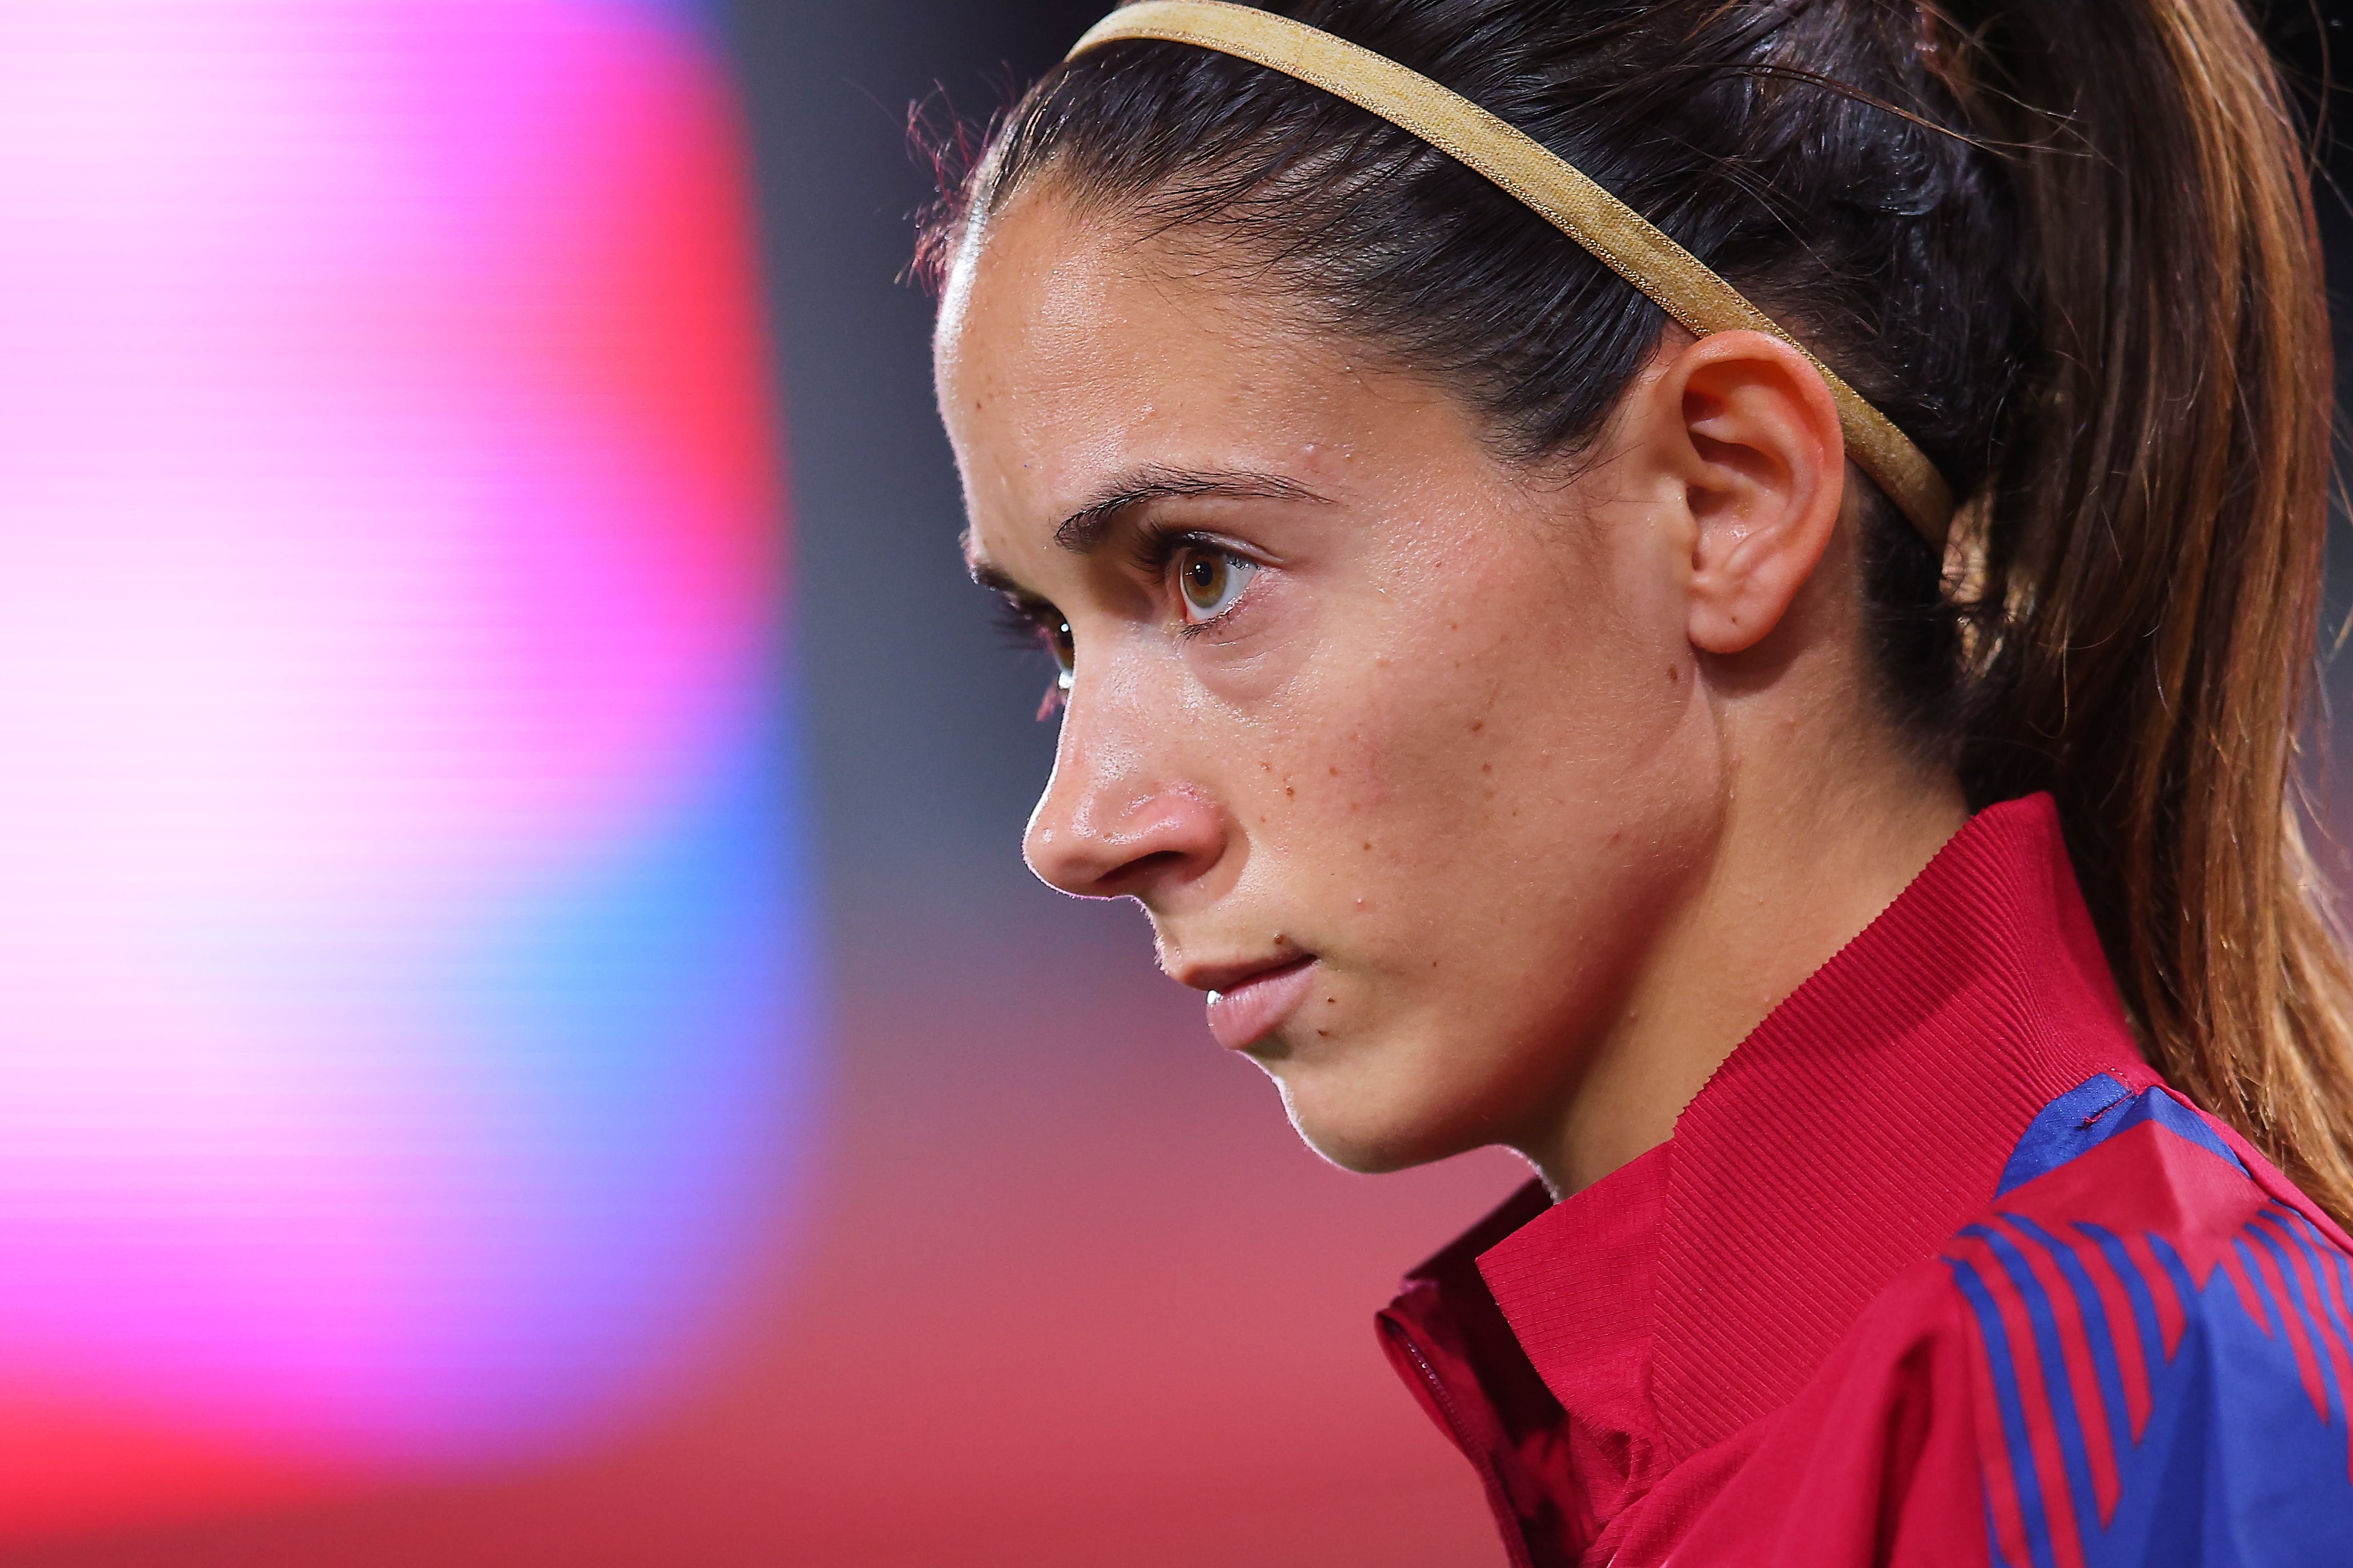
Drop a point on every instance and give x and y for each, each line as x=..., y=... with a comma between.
x=1754, y=436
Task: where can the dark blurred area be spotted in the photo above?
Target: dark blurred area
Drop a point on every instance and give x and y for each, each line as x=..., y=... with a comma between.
x=1062, y=1290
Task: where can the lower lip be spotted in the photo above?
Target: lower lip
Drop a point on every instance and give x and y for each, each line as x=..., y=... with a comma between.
x=1251, y=1011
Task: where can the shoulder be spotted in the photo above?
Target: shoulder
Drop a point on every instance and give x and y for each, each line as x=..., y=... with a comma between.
x=2161, y=1330
x=2140, y=1353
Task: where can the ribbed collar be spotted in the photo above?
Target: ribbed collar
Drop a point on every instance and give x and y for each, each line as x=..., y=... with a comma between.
x=1856, y=1128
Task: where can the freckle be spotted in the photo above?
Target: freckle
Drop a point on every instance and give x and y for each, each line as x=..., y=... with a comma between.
x=1486, y=767
x=1477, y=725
x=1369, y=844
x=1673, y=675
x=1336, y=773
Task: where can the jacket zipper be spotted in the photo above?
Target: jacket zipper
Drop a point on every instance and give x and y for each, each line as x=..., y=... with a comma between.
x=1514, y=1538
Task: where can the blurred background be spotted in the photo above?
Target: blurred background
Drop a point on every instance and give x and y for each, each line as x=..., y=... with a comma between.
x=524, y=1036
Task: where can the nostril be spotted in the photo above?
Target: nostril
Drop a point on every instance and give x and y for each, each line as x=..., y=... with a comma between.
x=1145, y=868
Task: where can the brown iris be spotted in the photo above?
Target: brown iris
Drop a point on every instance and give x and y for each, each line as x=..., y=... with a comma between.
x=1210, y=581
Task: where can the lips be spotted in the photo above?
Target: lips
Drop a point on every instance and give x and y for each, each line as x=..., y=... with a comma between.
x=1244, y=1012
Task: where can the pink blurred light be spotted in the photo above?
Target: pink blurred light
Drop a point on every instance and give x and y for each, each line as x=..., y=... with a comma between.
x=387, y=587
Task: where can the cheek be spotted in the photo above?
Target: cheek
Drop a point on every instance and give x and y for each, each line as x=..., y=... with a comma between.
x=1484, y=872
x=1487, y=762
x=1482, y=834
x=1327, y=787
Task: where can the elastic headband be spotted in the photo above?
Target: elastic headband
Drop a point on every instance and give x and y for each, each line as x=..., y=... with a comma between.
x=1617, y=236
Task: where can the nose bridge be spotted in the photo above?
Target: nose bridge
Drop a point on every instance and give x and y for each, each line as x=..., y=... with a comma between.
x=1121, y=810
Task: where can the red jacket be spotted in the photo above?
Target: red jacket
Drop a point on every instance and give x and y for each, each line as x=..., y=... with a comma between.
x=1933, y=1271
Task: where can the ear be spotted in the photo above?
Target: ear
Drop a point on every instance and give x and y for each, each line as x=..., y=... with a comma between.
x=1747, y=424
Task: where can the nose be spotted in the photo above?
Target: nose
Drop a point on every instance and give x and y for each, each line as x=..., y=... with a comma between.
x=1114, y=822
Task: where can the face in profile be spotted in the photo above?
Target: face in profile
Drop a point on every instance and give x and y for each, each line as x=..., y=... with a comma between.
x=1399, y=743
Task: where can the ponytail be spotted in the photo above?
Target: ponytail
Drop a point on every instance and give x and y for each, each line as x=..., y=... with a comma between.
x=2151, y=541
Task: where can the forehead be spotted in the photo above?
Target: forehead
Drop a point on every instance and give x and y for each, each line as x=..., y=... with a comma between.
x=1070, y=351
x=1047, y=299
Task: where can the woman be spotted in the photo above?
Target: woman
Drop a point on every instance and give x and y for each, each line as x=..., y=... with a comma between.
x=1529, y=662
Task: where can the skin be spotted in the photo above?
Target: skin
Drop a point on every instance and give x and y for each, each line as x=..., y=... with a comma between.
x=1563, y=778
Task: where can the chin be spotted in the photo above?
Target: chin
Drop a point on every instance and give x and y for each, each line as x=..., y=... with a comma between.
x=1361, y=1129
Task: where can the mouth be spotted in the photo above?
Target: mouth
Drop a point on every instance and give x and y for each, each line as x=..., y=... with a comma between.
x=1246, y=1008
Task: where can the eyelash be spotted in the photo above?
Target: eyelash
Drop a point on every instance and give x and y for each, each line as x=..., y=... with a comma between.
x=1023, y=626
x=1030, y=627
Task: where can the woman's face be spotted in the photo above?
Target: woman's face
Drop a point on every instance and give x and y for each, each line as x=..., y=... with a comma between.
x=1400, y=746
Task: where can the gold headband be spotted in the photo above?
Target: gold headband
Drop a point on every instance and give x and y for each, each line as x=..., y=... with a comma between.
x=1617, y=236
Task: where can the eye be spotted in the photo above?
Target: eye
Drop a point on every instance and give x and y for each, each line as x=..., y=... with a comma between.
x=1032, y=624
x=1055, y=635
x=1210, y=581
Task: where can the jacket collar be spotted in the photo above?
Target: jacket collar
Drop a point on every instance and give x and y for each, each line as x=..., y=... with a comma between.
x=1861, y=1124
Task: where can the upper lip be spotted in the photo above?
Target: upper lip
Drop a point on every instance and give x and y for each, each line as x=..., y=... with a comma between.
x=1226, y=977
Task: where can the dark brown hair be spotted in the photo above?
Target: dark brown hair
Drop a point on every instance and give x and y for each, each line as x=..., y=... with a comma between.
x=2066, y=245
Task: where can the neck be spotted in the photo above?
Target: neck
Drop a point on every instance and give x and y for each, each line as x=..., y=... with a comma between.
x=1810, y=849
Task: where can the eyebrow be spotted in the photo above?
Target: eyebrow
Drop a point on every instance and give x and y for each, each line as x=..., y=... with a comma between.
x=1084, y=530
x=992, y=577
